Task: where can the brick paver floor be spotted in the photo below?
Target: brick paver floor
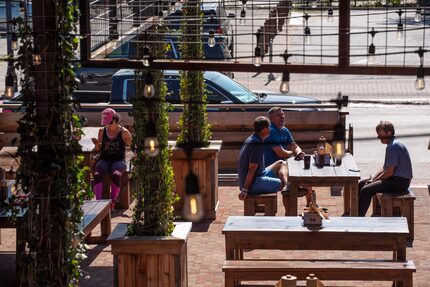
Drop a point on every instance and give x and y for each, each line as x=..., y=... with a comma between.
x=206, y=246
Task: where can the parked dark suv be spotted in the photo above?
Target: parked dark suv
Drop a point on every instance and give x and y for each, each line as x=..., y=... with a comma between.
x=220, y=90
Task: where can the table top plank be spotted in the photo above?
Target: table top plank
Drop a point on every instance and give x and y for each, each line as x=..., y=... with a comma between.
x=296, y=170
x=340, y=225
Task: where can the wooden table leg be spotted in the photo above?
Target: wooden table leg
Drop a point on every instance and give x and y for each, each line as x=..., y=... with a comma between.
x=294, y=190
x=229, y=248
x=346, y=200
x=105, y=224
x=354, y=198
x=400, y=254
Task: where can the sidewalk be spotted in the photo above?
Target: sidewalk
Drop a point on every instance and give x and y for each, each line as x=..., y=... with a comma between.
x=206, y=250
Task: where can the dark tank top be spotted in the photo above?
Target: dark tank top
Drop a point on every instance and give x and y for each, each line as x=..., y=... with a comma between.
x=113, y=149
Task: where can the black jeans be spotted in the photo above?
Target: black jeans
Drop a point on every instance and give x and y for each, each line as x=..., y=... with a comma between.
x=367, y=191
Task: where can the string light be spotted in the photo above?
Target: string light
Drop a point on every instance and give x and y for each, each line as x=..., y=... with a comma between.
x=37, y=58
x=151, y=144
x=14, y=41
x=146, y=56
x=193, y=202
x=330, y=18
x=9, y=86
x=242, y=19
x=285, y=85
x=211, y=38
x=307, y=30
x=148, y=89
x=419, y=82
x=258, y=57
x=399, y=34
x=372, y=49
x=417, y=17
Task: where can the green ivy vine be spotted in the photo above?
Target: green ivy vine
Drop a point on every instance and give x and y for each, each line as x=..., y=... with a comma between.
x=153, y=176
x=51, y=175
x=193, y=123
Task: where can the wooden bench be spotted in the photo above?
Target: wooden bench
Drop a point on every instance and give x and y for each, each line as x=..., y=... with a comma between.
x=348, y=270
x=231, y=123
x=392, y=204
x=96, y=212
x=264, y=203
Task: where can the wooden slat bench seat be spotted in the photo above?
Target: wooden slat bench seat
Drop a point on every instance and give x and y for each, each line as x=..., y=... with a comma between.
x=393, y=204
x=236, y=271
x=264, y=203
x=96, y=212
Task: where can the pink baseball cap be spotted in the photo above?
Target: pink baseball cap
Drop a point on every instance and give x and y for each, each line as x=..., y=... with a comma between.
x=107, y=116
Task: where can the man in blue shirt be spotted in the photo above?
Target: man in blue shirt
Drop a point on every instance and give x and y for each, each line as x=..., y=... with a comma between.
x=280, y=145
x=396, y=173
x=254, y=178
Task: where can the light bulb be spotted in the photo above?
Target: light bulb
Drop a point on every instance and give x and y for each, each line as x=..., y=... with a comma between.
x=371, y=54
x=151, y=146
x=37, y=59
x=339, y=149
x=307, y=35
x=399, y=34
x=193, y=207
x=14, y=42
x=149, y=90
x=257, y=57
x=146, y=56
x=330, y=17
x=242, y=19
x=417, y=17
x=285, y=85
x=419, y=82
x=9, y=86
x=211, y=38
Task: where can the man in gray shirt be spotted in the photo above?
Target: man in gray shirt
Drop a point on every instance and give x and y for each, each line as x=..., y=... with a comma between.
x=396, y=173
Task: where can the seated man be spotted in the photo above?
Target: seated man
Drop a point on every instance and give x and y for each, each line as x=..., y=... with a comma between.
x=280, y=145
x=253, y=177
x=396, y=173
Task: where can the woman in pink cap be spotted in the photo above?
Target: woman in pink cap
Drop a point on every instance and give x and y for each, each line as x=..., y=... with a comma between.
x=111, y=143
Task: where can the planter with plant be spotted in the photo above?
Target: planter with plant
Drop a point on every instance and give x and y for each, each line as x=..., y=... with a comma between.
x=195, y=159
x=152, y=248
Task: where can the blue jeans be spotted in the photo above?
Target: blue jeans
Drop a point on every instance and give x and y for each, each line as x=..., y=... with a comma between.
x=266, y=183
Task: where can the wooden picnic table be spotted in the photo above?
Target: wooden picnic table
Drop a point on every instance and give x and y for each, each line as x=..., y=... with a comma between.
x=346, y=175
x=341, y=233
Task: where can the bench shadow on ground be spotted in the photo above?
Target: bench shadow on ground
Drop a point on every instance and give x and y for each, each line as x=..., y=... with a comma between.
x=104, y=274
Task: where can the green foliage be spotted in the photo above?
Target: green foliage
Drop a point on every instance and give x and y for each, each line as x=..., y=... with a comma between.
x=193, y=123
x=153, y=176
x=51, y=172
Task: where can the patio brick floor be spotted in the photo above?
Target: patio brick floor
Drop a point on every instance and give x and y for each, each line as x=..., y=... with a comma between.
x=206, y=250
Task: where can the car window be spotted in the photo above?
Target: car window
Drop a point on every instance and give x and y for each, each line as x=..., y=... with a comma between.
x=214, y=96
x=235, y=89
x=172, y=89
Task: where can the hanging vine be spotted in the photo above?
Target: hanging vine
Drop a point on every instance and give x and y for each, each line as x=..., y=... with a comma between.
x=193, y=123
x=50, y=175
x=153, y=176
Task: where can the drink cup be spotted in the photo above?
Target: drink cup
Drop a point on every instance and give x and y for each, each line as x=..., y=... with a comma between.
x=307, y=161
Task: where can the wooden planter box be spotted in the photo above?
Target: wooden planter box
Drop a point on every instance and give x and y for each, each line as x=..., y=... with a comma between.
x=150, y=261
x=205, y=166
